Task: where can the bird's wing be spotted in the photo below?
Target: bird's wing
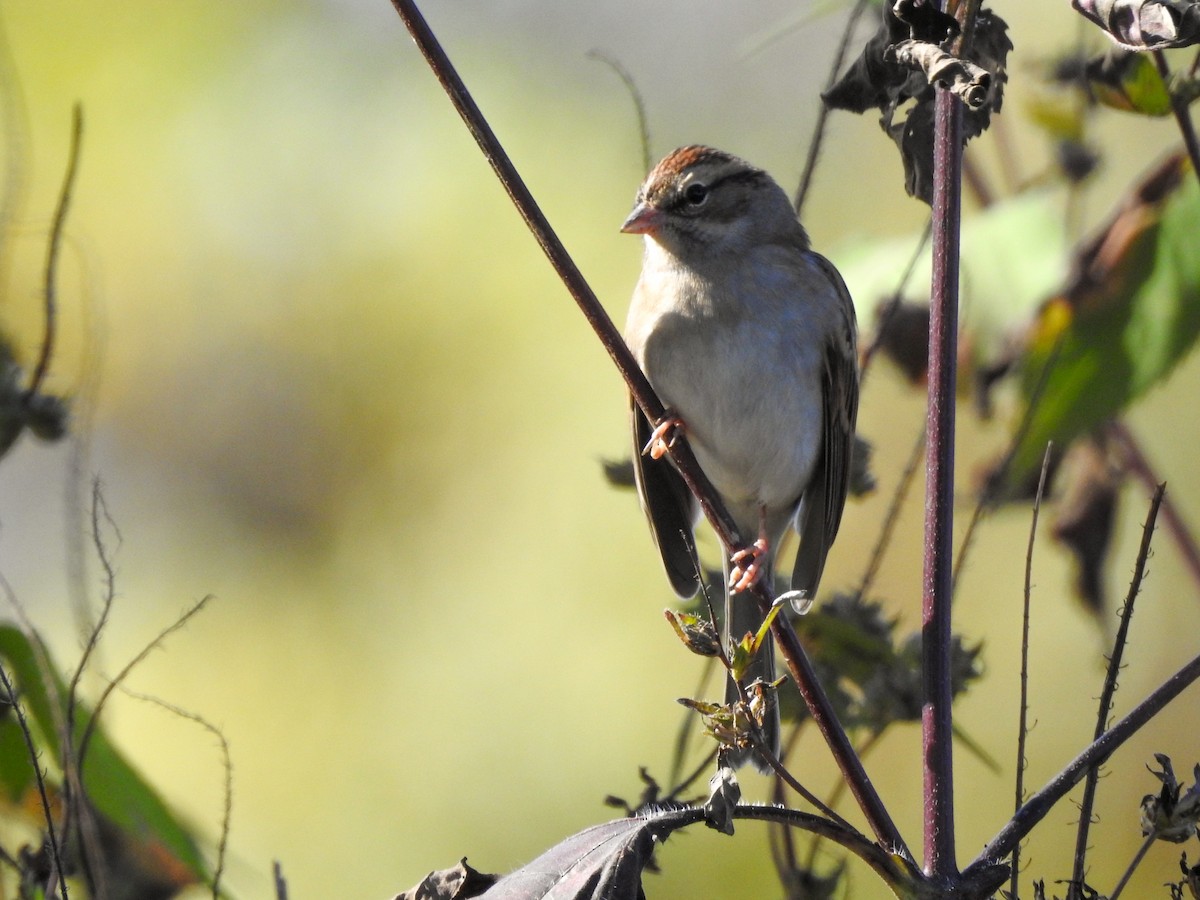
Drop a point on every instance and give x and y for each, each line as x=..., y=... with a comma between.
x=670, y=509
x=825, y=496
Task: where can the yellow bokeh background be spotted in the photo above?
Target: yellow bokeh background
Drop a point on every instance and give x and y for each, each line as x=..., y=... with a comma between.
x=325, y=375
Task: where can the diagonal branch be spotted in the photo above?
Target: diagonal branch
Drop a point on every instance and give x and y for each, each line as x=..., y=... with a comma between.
x=1036, y=808
x=789, y=645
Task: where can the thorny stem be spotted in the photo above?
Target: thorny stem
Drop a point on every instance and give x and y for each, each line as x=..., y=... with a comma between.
x=814, y=145
x=936, y=717
x=10, y=695
x=1036, y=807
x=1110, y=688
x=1135, y=459
x=1023, y=715
x=789, y=645
x=1179, y=107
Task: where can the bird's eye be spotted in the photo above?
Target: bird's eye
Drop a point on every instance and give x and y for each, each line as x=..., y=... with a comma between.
x=696, y=194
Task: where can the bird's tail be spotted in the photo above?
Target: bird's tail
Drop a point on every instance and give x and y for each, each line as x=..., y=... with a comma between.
x=742, y=616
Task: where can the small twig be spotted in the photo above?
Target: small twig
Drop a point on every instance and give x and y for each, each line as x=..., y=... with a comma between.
x=687, y=725
x=1088, y=800
x=1134, y=863
x=1136, y=461
x=1000, y=477
x=868, y=744
x=281, y=891
x=1179, y=107
x=99, y=509
x=818, y=133
x=695, y=775
x=1023, y=715
x=789, y=645
x=894, y=304
x=31, y=749
x=56, y=235
x=1036, y=807
x=639, y=104
x=226, y=764
x=787, y=778
x=90, y=728
x=892, y=516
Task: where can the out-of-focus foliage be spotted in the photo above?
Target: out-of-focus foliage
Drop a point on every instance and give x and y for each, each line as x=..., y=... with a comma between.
x=145, y=849
x=1128, y=315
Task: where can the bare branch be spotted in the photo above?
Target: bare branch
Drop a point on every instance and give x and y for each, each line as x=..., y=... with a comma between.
x=1110, y=687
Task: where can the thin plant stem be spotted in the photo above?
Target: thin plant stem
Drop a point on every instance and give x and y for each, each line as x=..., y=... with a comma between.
x=1136, y=461
x=818, y=135
x=1023, y=715
x=281, y=888
x=227, y=767
x=31, y=749
x=868, y=354
x=892, y=516
x=937, y=727
x=50, y=279
x=790, y=649
x=1036, y=807
x=839, y=788
x=1087, y=802
x=93, y=721
x=639, y=104
x=1183, y=118
x=999, y=479
x=1134, y=863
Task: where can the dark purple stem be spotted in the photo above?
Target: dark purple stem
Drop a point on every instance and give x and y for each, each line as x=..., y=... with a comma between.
x=936, y=721
x=790, y=649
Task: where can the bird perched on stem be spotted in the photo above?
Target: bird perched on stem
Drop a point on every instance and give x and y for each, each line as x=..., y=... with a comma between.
x=748, y=338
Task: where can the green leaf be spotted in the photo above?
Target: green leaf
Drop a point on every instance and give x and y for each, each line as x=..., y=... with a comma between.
x=1124, y=323
x=113, y=786
x=1130, y=82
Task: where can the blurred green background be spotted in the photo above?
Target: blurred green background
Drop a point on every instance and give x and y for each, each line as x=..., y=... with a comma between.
x=336, y=385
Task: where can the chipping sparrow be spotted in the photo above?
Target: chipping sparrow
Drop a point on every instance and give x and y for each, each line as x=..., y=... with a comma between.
x=748, y=337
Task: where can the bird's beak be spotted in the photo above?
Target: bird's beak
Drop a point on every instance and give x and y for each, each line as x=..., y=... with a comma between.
x=645, y=219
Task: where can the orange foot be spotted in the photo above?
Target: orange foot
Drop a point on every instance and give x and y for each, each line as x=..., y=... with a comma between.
x=746, y=568
x=659, y=443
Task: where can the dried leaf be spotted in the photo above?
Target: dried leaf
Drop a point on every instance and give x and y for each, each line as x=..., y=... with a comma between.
x=696, y=632
x=905, y=97
x=604, y=862
x=458, y=883
x=1145, y=24
x=1086, y=515
x=961, y=77
x=1173, y=814
x=902, y=335
x=724, y=794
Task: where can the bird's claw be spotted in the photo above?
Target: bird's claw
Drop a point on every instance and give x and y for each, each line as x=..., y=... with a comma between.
x=659, y=443
x=746, y=569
